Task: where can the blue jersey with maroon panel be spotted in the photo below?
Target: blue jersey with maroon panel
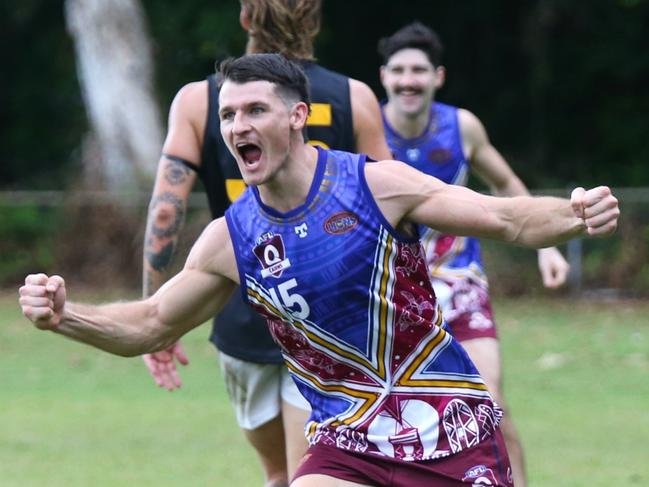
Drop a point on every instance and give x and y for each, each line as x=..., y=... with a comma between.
x=454, y=262
x=350, y=303
x=237, y=330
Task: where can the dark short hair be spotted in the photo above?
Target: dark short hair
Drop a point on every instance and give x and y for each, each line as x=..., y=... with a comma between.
x=288, y=77
x=415, y=36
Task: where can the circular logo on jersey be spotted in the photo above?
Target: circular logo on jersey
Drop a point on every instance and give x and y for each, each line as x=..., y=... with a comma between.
x=413, y=154
x=340, y=223
x=440, y=155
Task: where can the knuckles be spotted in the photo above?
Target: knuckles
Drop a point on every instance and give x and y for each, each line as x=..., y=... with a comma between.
x=38, y=279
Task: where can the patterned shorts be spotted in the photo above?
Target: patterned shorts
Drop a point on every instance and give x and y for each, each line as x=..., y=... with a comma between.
x=484, y=464
x=466, y=307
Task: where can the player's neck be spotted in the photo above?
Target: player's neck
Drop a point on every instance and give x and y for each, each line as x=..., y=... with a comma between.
x=253, y=47
x=290, y=185
x=406, y=125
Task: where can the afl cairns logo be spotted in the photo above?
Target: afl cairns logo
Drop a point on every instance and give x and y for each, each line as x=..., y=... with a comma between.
x=340, y=223
x=271, y=254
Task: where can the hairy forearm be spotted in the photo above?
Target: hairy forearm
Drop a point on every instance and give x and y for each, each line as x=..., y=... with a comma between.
x=126, y=329
x=512, y=186
x=542, y=221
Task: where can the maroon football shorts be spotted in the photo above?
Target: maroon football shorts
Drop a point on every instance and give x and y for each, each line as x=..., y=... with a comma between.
x=484, y=464
x=469, y=313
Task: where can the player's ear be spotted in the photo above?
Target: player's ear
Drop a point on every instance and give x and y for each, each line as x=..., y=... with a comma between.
x=244, y=18
x=298, y=116
x=440, y=75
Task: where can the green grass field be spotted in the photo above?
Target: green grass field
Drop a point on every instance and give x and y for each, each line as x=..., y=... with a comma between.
x=577, y=378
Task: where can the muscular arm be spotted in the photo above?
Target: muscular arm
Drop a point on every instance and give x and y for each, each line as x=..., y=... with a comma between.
x=133, y=328
x=368, y=126
x=407, y=196
x=174, y=182
x=493, y=169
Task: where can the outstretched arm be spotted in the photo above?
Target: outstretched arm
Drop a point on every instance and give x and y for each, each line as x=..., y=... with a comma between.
x=368, y=125
x=493, y=169
x=407, y=196
x=133, y=328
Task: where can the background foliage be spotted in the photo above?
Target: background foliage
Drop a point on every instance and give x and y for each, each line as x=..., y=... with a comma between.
x=560, y=84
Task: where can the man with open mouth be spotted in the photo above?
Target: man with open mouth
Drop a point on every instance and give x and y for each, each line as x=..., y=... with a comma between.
x=395, y=399
x=345, y=115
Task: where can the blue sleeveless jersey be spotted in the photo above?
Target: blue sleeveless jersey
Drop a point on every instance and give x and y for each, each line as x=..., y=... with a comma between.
x=350, y=303
x=438, y=152
x=238, y=331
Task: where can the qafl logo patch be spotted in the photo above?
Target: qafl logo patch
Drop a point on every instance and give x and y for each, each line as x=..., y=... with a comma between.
x=271, y=255
x=340, y=223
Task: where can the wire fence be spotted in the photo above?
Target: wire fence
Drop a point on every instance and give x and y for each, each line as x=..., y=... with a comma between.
x=614, y=266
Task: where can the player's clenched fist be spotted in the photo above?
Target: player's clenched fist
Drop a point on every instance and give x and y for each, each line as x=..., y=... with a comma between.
x=598, y=208
x=42, y=299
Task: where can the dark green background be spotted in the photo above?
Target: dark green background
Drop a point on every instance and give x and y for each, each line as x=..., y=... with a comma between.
x=561, y=85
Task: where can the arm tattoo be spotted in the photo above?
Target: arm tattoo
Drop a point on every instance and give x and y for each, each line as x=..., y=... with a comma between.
x=160, y=256
x=171, y=229
x=176, y=173
x=159, y=261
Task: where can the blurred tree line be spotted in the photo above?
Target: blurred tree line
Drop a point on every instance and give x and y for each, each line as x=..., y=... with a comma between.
x=561, y=85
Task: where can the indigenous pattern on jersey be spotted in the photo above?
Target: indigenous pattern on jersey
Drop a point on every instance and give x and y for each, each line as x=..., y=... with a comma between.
x=351, y=305
x=238, y=331
x=454, y=262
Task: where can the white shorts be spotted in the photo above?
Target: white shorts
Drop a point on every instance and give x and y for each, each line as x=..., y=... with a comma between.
x=256, y=390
